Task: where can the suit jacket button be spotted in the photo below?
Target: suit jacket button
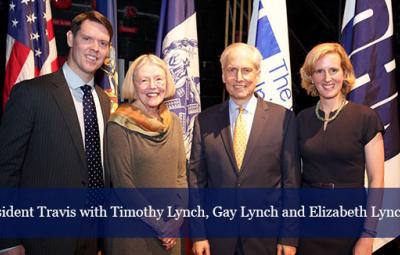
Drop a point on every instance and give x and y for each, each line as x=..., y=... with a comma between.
x=84, y=183
x=238, y=184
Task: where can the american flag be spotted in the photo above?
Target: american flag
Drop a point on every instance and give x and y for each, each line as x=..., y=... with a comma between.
x=31, y=45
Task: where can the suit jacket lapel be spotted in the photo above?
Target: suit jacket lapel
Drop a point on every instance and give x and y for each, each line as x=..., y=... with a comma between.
x=257, y=128
x=226, y=135
x=63, y=98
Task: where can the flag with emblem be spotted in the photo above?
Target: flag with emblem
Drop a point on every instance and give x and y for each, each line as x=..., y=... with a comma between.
x=367, y=36
x=107, y=75
x=31, y=46
x=177, y=45
x=269, y=33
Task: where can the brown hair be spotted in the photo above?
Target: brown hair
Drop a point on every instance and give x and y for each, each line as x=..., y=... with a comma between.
x=128, y=87
x=317, y=53
x=92, y=16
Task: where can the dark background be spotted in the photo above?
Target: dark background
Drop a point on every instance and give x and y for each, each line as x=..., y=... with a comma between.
x=310, y=22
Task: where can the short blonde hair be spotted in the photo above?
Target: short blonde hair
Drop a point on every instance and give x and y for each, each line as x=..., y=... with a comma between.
x=128, y=87
x=316, y=54
x=253, y=51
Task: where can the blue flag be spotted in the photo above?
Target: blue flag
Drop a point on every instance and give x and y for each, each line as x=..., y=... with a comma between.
x=269, y=33
x=177, y=46
x=107, y=76
x=367, y=35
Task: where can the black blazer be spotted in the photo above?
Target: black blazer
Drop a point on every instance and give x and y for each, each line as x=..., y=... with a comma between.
x=271, y=161
x=41, y=146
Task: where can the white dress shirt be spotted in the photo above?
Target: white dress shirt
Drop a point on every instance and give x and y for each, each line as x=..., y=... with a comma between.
x=248, y=114
x=74, y=84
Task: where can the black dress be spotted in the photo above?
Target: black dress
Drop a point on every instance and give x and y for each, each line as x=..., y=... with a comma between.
x=335, y=155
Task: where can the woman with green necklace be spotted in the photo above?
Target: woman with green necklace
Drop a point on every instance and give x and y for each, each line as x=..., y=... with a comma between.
x=338, y=139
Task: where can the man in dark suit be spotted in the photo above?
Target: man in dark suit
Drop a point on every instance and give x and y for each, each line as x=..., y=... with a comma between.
x=269, y=158
x=42, y=134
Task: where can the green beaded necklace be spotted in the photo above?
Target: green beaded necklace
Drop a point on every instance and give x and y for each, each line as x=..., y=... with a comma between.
x=329, y=119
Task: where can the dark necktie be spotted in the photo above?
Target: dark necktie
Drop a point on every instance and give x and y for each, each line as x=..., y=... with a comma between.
x=92, y=140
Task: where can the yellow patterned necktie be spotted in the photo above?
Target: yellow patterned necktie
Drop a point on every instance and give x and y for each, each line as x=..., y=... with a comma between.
x=239, y=138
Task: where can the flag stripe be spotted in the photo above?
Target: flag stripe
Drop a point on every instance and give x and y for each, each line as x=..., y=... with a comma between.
x=265, y=40
x=19, y=55
x=9, y=44
x=50, y=30
x=31, y=48
x=367, y=36
x=269, y=33
x=181, y=13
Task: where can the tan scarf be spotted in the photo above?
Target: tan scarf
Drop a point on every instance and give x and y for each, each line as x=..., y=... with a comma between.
x=133, y=118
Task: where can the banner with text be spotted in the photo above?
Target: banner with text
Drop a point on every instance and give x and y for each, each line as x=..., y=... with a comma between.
x=269, y=33
x=211, y=212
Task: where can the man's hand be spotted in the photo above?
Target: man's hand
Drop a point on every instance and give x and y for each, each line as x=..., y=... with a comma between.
x=285, y=250
x=201, y=248
x=363, y=246
x=17, y=250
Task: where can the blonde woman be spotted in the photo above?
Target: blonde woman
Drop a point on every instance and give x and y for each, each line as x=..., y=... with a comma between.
x=145, y=149
x=337, y=140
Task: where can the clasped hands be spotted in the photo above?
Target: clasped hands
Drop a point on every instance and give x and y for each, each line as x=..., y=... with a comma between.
x=170, y=233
